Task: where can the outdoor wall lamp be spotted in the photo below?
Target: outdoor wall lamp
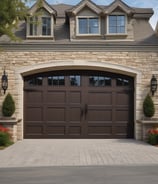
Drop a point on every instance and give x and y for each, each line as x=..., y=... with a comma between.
x=4, y=81
x=153, y=85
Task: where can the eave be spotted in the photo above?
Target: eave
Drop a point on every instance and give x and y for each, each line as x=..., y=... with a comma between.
x=79, y=47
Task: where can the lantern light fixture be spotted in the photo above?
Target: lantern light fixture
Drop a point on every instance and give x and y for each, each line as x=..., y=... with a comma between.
x=4, y=81
x=153, y=85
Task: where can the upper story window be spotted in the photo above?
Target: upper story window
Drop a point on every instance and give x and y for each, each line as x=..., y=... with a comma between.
x=40, y=21
x=33, y=26
x=39, y=26
x=117, y=24
x=88, y=25
x=46, y=26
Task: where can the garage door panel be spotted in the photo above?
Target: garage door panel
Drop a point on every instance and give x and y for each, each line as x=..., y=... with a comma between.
x=99, y=115
x=122, y=115
x=34, y=129
x=75, y=114
x=34, y=97
x=55, y=114
x=122, y=99
x=75, y=97
x=99, y=98
x=121, y=131
x=55, y=130
x=74, y=130
x=99, y=130
x=34, y=114
x=56, y=97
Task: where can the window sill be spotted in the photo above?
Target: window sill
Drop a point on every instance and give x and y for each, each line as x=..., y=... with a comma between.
x=89, y=37
x=87, y=34
x=40, y=37
x=116, y=34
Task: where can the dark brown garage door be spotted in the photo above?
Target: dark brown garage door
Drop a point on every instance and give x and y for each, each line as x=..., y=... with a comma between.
x=78, y=104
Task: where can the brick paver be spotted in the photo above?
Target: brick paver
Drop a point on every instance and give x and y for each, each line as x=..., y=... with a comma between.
x=80, y=152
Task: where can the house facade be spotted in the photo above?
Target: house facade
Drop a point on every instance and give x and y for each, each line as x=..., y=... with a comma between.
x=81, y=71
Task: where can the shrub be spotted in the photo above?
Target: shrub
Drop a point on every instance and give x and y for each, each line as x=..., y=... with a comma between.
x=148, y=106
x=5, y=139
x=153, y=136
x=8, y=106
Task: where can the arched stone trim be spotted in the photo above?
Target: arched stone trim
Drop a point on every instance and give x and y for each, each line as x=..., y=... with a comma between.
x=79, y=64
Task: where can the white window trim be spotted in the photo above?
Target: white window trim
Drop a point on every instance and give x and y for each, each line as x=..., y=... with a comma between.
x=117, y=34
x=77, y=27
x=39, y=28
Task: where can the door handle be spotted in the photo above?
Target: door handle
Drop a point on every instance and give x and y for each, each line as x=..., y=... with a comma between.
x=86, y=109
x=82, y=111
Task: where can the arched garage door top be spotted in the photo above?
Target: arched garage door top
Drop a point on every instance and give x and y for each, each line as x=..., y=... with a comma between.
x=78, y=104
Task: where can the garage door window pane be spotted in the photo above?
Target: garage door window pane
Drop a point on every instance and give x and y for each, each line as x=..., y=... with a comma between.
x=99, y=81
x=93, y=81
x=56, y=81
x=35, y=81
x=75, y=80
x=107, y=81
x=122, y=82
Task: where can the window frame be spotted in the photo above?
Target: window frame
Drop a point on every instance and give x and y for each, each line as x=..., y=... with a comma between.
x=39, y=27
x=87, y=34
x=108, y=24
x=33, y=23
x=60, y=80
x=46, y=25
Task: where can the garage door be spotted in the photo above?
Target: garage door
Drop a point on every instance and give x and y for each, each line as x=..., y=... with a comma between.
x=78, y=104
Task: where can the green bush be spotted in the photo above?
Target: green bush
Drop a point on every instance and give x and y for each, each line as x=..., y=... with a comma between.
x=153, y=136
x=153, y=139
x=4, y=139
x=8, y=106
x=148, y=106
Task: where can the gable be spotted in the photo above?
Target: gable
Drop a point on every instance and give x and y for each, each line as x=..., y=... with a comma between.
x=43, y=11
x=85, y=4
x=118, y=10
x=44, y=5
x=86, y=11
x=118, y=5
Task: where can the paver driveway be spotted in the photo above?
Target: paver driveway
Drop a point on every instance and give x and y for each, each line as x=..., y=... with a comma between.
x=80, y=152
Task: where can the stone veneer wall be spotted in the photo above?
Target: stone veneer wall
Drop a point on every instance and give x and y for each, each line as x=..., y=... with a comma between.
x=140, y=65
